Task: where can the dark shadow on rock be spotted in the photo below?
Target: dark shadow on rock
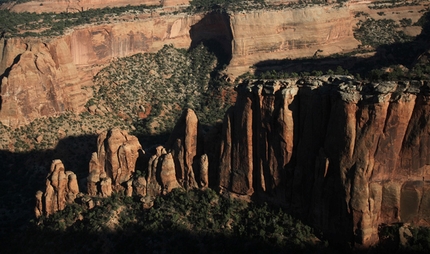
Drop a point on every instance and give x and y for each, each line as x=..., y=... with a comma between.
x=23, y=174
x=214, y=32
x=6, y=73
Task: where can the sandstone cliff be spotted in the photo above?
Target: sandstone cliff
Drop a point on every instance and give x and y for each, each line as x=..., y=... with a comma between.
x=38, y=79
x=290, y=33
x=57, y=69
x=350, y=156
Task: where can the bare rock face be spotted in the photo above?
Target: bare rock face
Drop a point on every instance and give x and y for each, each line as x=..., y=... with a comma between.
x=167, y=174
x=289, y=33
x=105, y=187
x=153, y=185
x=186, y=145
x=347, y=155
x=38, y=209
x=139, y=185
x=204, y=171
x=37, y=80
x=61, y=188
x=114, y=163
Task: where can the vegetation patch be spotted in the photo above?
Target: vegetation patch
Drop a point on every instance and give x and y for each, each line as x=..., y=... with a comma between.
x=152, y=89
x=23, y=24
x=192, y=221
x=379, y=32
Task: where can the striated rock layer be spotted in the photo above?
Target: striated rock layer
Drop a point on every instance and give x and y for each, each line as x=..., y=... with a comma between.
x=290, y=33
x=38, y=79
x=349, y=156
x=42, y=77
x=58, y=6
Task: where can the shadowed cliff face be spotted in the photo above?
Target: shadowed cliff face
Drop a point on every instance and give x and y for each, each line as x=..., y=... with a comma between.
x=345, y=155
x=214, y=32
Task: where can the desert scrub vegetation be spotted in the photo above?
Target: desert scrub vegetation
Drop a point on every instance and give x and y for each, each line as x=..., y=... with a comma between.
x=197, y=6
x=402, y=238
x=24, y=24
x=379, y=32
x=152, y=89
x=393, y=4
x=192, y=221
x=226, y=5
x=45, y=133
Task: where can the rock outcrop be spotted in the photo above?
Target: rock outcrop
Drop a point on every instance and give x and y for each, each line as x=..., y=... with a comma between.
x=186, y=145
x=349, y=156
x=61, y=189
x=114, y=163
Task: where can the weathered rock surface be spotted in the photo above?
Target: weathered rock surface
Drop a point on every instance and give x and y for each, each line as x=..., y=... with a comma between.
x=185, y=144
x=168, y=174
x=42, y=77
x=61, y=189
x=346, y=156
x=292, y=33
x=349, y=156
x=37, y=80
x=113, y=165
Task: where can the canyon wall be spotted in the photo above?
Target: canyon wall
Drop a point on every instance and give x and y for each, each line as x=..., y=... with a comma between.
x=70, y=61
x=292, y=33
x=345, y=155
x=42, y=78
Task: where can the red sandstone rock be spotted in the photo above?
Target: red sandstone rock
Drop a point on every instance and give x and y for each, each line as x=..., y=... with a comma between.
x=350, y=158
x=204, y=171
x=41, y=81
x=62, y=66
x=153, y=187
x=140, y=186
x=61, y=188
x=167, y=174
x=115, y=159
x=185, y=144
